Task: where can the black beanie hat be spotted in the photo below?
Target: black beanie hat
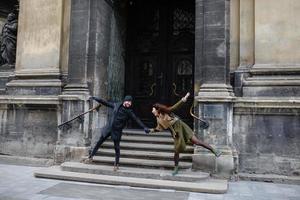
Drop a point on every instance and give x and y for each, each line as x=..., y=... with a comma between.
x=128, y=98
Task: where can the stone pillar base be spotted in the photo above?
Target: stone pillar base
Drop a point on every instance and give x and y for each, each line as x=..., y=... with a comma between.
x=215, y=91
x=76, y=89
x=74, y=141
x=221, y=167
x=240, y=75
x=63, y=153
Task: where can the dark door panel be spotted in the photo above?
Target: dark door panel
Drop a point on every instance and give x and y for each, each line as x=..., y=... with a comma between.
x=160, y=55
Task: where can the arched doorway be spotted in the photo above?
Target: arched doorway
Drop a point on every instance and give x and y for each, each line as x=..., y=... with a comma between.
x=160, y=54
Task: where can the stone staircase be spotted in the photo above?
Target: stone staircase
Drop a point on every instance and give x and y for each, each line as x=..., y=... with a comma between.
x=146, y=161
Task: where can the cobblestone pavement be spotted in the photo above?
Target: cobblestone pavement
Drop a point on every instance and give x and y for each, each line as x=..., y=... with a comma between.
x=18, y=183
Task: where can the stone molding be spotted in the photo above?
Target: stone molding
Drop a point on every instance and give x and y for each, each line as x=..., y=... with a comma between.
x=34, y=99
x=267, y=106
x=37, y=72
x=35, y=83
x=217, y=92
x=272, y=69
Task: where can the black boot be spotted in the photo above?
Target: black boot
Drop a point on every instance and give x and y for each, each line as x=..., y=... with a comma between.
x=217, y=152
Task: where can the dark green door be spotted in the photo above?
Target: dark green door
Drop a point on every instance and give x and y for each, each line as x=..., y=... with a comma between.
x=160, y=54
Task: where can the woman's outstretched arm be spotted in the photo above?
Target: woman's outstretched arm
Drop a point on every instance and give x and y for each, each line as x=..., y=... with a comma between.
x=180, y=102
x=158, y=128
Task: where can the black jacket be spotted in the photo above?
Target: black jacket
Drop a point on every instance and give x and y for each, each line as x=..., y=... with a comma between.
x=117, y=118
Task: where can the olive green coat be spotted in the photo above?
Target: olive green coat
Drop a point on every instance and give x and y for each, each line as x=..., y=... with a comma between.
x=181, y=132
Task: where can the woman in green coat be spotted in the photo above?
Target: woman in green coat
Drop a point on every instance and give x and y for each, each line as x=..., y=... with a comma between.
x=181, y=132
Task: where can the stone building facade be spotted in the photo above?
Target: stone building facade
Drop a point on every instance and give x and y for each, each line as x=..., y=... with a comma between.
x=242, y=60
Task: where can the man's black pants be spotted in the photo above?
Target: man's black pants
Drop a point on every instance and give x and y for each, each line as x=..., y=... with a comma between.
x=100, y=142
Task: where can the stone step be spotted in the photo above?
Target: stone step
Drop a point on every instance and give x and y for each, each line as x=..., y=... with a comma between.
x=146, y=138
x=141, y=162
x=183, y=175
x=145, y=154
x=140, y=132
x=208, y=186
x=145, y=146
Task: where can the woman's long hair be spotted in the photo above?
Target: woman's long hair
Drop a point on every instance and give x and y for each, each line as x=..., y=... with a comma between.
x=163, y=109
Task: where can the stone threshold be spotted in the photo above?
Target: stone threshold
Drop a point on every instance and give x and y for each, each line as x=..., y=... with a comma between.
x=215, y=186
x=25, y=161
x=186, y=175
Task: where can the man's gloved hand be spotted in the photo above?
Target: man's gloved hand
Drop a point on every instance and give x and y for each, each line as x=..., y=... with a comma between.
x=91, y=98
x=147, y=130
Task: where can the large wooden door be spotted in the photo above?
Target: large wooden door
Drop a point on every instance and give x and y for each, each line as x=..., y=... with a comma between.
x=160, y=54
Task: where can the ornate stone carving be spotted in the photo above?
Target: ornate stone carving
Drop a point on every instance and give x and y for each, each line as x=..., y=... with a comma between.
x=8, y=40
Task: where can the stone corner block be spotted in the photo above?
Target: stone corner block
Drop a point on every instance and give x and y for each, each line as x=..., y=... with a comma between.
x=222, y=167
x=64, y=153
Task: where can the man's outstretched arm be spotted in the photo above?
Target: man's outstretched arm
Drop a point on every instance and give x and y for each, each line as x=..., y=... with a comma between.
x=138, y=121
x=102, y=101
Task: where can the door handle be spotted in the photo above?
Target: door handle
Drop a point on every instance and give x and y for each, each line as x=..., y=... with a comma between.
x=160, y=77
x=174, y=90
x=152, y=89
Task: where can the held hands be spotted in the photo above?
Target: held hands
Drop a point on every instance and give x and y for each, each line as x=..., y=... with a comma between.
x=152, y=130
x=147, y=130
x=184, y=99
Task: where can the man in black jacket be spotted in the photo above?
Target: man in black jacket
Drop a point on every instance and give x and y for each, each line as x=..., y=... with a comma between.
x=121, y=113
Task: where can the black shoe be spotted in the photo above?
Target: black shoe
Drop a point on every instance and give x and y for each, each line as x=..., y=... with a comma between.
x=116, y=167
x=217, y=153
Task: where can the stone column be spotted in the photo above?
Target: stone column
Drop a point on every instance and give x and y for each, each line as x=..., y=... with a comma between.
x=39, y=48
x=72, y=142
x=78, y=52
x=90, y=32
x=247, y=37
x=212, y=73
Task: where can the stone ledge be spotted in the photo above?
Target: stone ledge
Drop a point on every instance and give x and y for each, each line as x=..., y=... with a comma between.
x=273, y=82
x=209, y=99
x=275, y=69
x=35, y=83
x=38, y=72
x=280, y=102
x=71, y=97
x=34, y=99
x=274, y=178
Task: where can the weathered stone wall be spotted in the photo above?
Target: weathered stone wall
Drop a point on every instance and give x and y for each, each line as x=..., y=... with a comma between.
x=277, y=32
x=267, y=139
x=116, y=68
x=266, y=115
x=29, y=102
x=39, y=37
x=28, y=129
x=276, y=57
